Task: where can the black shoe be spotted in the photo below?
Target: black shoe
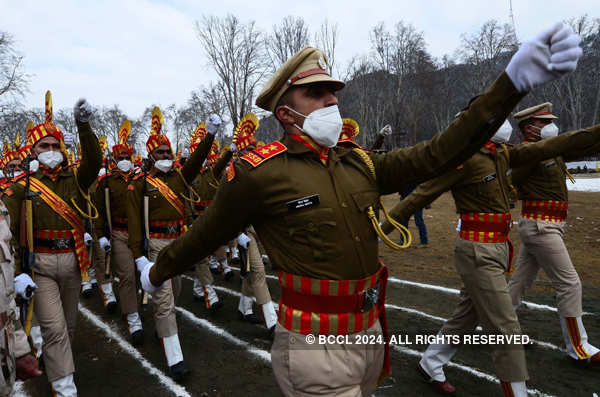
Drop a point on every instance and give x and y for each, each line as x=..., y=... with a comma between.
x=215, y=306
x=86, y=293
x=111, y=307
x=179, y=371
x=236, y=260
x=198, y=298
x=271, y=333
x=137, y=338
x=251, y=318
x=228, y=276
x=214, y=270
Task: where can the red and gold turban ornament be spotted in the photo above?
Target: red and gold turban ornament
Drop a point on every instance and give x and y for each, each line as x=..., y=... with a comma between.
x=349, y=132
x=156, y=138
x=197, y=136
x=123, y=147
x=244, y=132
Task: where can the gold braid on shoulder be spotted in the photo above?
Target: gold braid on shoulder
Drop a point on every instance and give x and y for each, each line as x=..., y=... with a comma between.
x=404, y=232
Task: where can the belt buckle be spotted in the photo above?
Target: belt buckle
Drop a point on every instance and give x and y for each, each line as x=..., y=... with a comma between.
x=61, y=244
x=173, y=229
x=371, y=297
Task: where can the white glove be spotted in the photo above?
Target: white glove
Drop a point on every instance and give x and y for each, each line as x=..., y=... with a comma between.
x=144, y=265
x=213, y=123
x=386, y=130
x=548, y=56
x=243, y=240
x=104, y=244
x=22, y=281
x=102, y=171
x=82, y=111
x=185, y=152
x=232, y=148
x=68, y=138
x=87, y=239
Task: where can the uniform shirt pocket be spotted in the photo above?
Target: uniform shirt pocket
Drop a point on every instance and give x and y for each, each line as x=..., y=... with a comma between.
x=313, y=231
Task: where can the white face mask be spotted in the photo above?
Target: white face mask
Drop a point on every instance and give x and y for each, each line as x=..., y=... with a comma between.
x=548, y=131
x=34, y=165
x=164, y=165
x=124, y=165
x=323, y=125
x=503, y=134
x=51, y=159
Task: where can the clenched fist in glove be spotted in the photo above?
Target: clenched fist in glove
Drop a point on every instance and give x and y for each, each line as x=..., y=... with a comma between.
x=548, y=56
x=24, y=286
x=233, y=147
x=104, y=244
x=68, y=138
x=213, y=123
x=386, y=130
x=243, y=240
x=87, y=239
x=144, y=265
x=82, y=111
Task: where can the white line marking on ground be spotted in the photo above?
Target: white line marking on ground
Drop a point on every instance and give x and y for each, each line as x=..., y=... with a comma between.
x=467, y=369
x=164, y=380
x=260, y=353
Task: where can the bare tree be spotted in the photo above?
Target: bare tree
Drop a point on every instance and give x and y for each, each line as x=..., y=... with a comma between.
x=13, y=79
x=488, y=52
x=236, y=52
x=287, y=38
x=326, y=40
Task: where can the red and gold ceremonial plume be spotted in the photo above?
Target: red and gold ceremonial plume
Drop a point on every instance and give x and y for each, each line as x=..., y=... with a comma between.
x=349, y=131
x=213, y=155
x=6, y=150
x=122, y=147
x=244, y=132
x=24, y=151
x=156, y=138
x=47, y=128
x=197, y=136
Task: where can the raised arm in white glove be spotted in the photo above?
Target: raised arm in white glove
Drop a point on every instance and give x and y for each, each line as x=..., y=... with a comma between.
x=386, y=130
x=87, y=239
x=213, y=123
x=548, y=56
x=243, y=240
x=232, y=148
x=22, y=282
x=144, y=265
x=82, y=111
x=104, y=244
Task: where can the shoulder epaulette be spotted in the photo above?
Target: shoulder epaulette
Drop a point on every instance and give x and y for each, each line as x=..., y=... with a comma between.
x=20, y=176
x=104, y=176
x=263, y=153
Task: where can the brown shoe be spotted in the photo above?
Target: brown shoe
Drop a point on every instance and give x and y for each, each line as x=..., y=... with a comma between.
x=445, y=388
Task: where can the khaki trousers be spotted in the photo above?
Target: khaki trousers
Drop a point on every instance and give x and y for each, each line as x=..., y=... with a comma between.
x=485, y=301
x=59, y=281
x=164, y=299
x=332, y=369
x=255, y=282
x=543, y=247
x=203, y=273
x=123, y=265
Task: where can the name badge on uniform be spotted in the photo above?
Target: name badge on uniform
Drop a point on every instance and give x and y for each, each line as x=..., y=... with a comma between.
x=550, y=164
x=489, y=178
x=303, y=202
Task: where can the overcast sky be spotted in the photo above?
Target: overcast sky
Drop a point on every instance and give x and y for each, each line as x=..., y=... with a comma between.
x=138, y=52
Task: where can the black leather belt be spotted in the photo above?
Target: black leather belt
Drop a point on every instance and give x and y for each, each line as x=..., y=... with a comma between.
x=174, y=229
x=54, y=243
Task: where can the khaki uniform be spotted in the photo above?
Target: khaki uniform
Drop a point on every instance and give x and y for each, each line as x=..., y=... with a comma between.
x=482, y=186
x=57, y=275
x=161, y=210
x=543, y=246
x=331, y=235
x=13, y=341
x=121, y=257
x=255, y=283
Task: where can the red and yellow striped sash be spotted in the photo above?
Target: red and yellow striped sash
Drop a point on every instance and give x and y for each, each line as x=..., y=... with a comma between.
x=485, y=227
x=545, y=210
x=66, y=212
x=167, y=193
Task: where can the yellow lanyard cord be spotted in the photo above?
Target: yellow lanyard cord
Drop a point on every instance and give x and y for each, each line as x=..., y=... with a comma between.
x=87, y=198
x=404, y=232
